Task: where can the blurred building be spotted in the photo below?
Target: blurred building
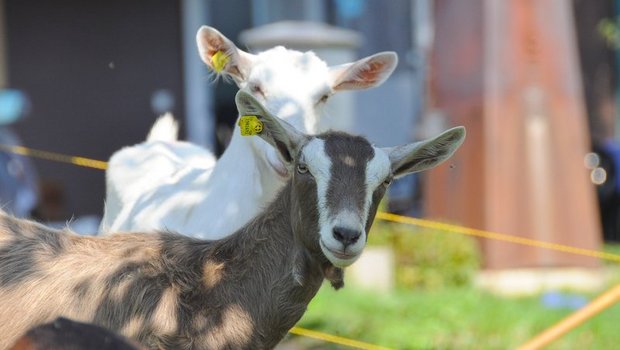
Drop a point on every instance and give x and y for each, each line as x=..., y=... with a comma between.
x=92, y=70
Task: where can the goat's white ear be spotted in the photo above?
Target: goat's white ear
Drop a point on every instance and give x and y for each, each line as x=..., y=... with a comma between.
x=231, y=61
x=365, y=73
x=278, y=133
x=426, y=154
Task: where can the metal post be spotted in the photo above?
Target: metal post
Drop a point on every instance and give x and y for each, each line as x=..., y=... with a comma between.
x=198, y=95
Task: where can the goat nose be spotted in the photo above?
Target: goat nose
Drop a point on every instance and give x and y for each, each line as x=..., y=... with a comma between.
x=345, y=235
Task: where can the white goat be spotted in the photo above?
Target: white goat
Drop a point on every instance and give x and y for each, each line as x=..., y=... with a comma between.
x=149, y=186
x=244, y=291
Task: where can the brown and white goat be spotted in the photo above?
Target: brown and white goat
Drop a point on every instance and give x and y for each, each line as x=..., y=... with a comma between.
x=244, y=291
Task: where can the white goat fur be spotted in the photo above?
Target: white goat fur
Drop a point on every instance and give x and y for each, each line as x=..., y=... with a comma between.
x=166, y=184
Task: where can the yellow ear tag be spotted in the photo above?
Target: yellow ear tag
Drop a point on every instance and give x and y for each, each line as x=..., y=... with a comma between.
x=250, y=125
x=219, y=60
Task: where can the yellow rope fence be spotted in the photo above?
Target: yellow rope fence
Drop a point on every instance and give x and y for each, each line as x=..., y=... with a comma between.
x=56, y=157
x=496, y=236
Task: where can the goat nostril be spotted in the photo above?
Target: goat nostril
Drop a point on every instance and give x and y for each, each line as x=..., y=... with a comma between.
x=346, y=236
x=338, y=234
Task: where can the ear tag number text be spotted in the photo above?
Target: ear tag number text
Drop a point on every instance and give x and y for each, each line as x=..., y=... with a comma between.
x=250, y=125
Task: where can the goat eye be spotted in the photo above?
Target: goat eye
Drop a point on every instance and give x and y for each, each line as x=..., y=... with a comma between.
x=323, y=98
x=302, y=168
x=387, y=181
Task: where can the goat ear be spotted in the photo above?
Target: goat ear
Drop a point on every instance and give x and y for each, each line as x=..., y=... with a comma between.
x=365, y=73
x=231, y=61
x=278, y=133
x=426, y=154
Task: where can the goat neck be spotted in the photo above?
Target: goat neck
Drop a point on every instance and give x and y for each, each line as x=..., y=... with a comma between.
x=278, y=274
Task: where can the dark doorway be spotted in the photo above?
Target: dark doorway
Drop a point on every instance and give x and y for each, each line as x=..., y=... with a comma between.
x=90, y=69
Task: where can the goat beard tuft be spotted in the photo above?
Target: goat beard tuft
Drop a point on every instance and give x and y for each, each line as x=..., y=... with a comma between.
x=334, y=275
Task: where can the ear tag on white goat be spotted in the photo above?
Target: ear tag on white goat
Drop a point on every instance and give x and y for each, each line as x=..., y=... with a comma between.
x=250, y=125
x=219, y=60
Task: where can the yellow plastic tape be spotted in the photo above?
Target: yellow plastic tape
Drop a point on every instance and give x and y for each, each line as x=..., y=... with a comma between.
x=250, y=125
x=219, y=60
x=335, y=339
x=56, y=157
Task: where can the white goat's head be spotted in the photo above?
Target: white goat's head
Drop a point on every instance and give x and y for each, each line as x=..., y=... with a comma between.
x=339, y=179
x=291, y=84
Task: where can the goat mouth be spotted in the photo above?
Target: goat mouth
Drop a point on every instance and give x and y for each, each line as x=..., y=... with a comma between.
x=340, y=255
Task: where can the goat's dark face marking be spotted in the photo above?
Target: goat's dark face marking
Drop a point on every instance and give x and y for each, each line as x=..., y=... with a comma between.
x=339, y=183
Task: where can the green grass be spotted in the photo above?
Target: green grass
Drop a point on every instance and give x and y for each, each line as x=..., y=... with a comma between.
x=457, y=318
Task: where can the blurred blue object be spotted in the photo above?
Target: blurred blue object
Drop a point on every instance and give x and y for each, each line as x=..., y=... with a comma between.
x=557, y=300
x=350, y=9
x=404, y=197
x=18, y=179
x=87, y=225
x=608, y=191
x=613, y=149
x=13, y=105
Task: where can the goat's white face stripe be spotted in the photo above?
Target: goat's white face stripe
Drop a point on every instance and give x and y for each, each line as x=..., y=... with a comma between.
x=377, y=170
x=320, y=166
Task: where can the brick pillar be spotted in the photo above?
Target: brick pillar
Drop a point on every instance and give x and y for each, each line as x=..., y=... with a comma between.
x=509, y=71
